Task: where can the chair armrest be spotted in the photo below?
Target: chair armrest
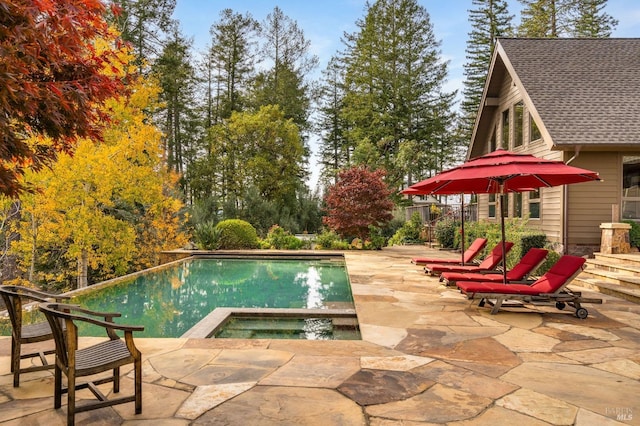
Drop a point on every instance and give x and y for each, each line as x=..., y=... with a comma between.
x=33, y=294
x=77, y=308
x=107, y=324
x=66, y=311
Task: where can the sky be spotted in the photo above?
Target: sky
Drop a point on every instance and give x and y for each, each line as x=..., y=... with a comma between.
x=325, y=21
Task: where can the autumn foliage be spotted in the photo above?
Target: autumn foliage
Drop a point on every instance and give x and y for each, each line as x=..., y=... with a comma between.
x=359, y=199
x=52, y=80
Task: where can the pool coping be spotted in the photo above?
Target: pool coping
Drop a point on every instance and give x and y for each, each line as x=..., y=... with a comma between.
x=210, y=324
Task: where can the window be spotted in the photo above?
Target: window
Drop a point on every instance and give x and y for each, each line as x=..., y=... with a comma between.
x=504, y=208
x=534, y=204
x=518, y=124
x=517, y=204
x=492, y=205
x=534, y=131
x=505, y=129
x=631, y=187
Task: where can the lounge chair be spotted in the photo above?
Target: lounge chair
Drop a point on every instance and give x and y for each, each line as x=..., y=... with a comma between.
x=550, y=289
x=518, y=274
x=15, y=298
x=75, y=362
x=490, y=263
x=469, y=254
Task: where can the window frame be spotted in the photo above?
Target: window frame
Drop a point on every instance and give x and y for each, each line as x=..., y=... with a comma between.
x=518, y=124
x=506, y=128
x=517, y=204
x=535, y=198
x=628, y=176
x=534, y=125
x=491, y=206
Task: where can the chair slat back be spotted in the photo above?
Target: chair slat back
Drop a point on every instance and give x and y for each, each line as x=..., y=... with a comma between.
x=13, y=303
x=56, y=320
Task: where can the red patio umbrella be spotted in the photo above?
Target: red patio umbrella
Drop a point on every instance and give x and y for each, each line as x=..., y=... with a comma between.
x=501, y=172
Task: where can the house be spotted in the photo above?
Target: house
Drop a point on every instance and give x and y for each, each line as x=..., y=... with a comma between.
x=574, y=100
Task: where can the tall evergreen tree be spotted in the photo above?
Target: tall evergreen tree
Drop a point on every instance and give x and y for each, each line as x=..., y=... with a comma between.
x=284, y=82
x=562, y=18
x=394, y=85
x=489, y=20
x=144, y=23
x=590, y=20
x=179, y=123
x=232, y=60
x=541, y=18
x=335, y=151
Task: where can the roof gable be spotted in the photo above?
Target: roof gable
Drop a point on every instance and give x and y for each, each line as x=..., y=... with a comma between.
x=585, y=91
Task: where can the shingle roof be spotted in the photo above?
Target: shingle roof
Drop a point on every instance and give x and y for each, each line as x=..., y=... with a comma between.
x=587, y=91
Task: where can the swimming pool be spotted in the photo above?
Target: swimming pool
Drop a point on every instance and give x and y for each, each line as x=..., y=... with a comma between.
x=170, y=301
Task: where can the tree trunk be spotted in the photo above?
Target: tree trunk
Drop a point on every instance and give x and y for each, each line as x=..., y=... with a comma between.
x=83, y=266
x=34, y=252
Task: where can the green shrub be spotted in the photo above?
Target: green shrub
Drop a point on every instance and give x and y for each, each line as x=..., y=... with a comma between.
x=516, y=231
x=409, y=232
x=634, y=233
x=377, y=239
x=237, y=234
x=329, y=240
x=207, y=235
x=551, y=259
x=278, y=238
x=339, y=245
x=392, y=227
x=445, y=232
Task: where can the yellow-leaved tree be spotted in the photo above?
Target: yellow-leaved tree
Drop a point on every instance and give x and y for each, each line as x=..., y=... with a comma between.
x=107, y=210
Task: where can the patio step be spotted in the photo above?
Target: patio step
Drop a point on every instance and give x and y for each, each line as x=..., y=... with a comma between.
x=613, y=274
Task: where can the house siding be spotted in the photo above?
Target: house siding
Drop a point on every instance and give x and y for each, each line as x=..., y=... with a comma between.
x=590, y=204
x=551, y=199
x=587, y=112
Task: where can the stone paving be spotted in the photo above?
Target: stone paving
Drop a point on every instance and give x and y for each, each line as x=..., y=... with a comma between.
x=428, y=357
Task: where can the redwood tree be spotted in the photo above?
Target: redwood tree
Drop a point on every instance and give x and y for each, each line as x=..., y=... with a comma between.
x=359, y=199
x=52, y=78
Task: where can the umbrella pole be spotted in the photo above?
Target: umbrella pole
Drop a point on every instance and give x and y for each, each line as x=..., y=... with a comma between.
x=462, y=228
x=504, y=243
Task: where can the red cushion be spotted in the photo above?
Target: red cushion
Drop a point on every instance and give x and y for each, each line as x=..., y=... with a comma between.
x=468, y=255
x=552, y=281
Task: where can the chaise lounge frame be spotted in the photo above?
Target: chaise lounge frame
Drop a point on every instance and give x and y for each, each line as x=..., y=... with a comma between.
x=548, y=290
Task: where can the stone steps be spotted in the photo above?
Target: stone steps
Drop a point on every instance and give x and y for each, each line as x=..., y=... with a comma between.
x=613, y=274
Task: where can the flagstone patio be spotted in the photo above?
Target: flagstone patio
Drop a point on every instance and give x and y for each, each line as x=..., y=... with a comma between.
x=428, y=357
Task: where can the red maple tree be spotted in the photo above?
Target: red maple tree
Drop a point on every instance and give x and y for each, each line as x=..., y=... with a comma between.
x=52, y=81
x=359, y=198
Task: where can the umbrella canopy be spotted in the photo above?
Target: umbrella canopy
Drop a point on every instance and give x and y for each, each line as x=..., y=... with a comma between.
x=501, y=172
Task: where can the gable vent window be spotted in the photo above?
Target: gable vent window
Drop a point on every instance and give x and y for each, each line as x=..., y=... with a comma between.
x=534, y=131
x=505, y=129
x=518, y=124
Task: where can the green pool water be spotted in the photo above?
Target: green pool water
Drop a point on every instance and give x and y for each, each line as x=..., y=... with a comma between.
x=170, y=301
x=291, y=328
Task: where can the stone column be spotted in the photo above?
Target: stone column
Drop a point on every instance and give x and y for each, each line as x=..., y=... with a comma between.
x=615, y=238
